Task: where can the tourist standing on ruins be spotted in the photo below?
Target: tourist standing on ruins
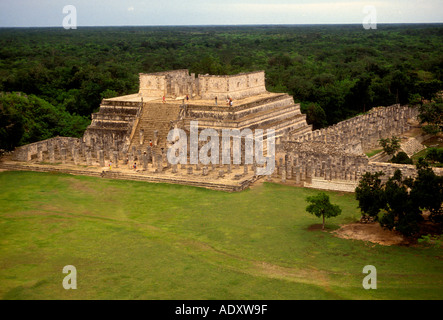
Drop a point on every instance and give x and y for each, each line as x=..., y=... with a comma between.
x=215, y=100
x=164, y=99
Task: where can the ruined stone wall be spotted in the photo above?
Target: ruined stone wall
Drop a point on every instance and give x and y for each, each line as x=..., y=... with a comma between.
x=236, y=87
x=46, y=150
x=173, y=83
x=152, y=85
x=320, y=165
x=71, y=150
x=362, y=133
x=316, y=159
x=349, y=184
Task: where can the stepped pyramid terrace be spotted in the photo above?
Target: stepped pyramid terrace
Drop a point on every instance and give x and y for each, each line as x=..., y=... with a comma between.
x=128, y=137
x=133, y=120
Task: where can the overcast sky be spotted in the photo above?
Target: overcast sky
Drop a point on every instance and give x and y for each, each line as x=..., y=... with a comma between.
x=41, y=13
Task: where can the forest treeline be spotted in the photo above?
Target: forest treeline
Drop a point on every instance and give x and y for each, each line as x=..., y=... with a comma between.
x=335, y=71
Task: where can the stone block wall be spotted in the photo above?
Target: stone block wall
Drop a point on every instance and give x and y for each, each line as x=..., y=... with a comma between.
x=48, y=150
x=173, y=83
x=362, y=133
x=236, y=87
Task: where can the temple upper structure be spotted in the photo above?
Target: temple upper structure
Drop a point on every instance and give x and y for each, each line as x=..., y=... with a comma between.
x=178, y=83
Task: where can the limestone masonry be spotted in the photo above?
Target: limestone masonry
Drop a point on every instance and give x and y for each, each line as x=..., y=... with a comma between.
x=132, y=130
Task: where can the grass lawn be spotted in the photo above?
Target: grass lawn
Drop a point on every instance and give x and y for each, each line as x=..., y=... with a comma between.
x=137, y=240
x=422, y=154
x=373, y=152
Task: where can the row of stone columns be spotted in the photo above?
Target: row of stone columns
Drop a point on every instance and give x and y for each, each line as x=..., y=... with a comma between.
x=365, y=129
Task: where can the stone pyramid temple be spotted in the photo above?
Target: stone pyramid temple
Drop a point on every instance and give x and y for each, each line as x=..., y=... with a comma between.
x=130, y=135
x=174, y=98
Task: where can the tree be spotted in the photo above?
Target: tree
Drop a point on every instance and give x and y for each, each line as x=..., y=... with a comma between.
x=370, y=194
x=402, y=211
x=431, y=116
x=402, y=200
x=427, y=191
x=401, y=158
x=320, y=206
x=316, y=116
x=390, y=145
x=434, y=155
x=27, y=118
x=11, y=127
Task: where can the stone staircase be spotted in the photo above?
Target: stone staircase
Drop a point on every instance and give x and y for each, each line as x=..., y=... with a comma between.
x=154, y=117
x=380, y=157
x=113, y=121
x=411, y=146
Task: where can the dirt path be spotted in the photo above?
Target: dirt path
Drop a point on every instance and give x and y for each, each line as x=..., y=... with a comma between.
x=371, y=232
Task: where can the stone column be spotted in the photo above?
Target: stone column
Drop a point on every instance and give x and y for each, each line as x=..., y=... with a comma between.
x=51, y=153
x=145, y=161
x=82, y=149
x=159, y=163
x=88, y=157
x=149, y=153
x=297, y=174
x=115, y=157
x=155, y=137
x=101, y=158
x=141, y=136
x=283, y=175
x=328, y=174
x=289, y=171
x=63, y=154
x=40, y=153
x=130, y=160
x=76, y=156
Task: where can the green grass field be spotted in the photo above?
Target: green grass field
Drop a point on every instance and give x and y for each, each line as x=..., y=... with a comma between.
x=373, y=152
x=136, y=240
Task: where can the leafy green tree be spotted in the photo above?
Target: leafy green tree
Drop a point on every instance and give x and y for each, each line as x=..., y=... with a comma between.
x=108, y=94
x=316, y=116
x=11, y=127
x=435, y=155
x=360, y=95
x=402, y=212
x=427, y=191
x=401, y=158
x=431, y=116
x=428, y=89
x=390, y=145
x=29, y=118
x=401, y=201
x=370, y=194
x=320, y=206
x=401, y=85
